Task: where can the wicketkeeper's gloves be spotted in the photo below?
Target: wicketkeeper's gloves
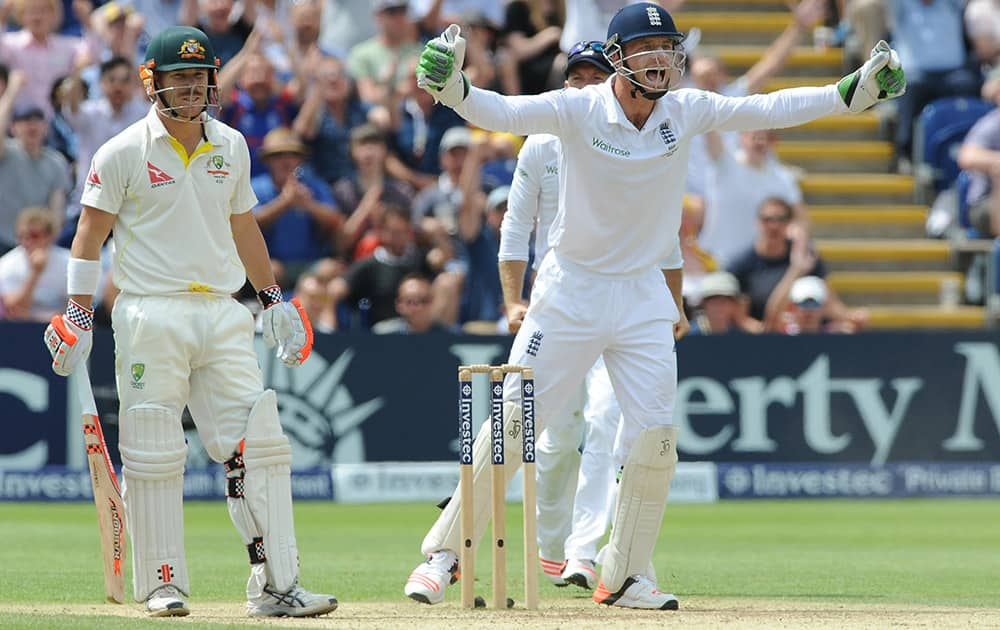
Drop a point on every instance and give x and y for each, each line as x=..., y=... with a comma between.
x=880, y=79
x=439, y=70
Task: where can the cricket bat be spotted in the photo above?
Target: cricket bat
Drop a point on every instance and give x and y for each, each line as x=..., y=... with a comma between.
x=107, y=494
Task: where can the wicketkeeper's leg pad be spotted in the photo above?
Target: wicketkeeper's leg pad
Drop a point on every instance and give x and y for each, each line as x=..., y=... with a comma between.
x=151, y=442
x=446, y=532
x=264, y=515
x=642, y=497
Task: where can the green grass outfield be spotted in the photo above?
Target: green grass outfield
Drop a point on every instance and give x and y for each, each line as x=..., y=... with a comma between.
x=892, y=553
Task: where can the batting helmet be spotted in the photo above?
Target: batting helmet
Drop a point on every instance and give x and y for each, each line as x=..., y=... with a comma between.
x=179, y=48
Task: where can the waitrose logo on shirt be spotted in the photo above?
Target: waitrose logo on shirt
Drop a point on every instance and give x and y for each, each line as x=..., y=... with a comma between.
x=609, y=148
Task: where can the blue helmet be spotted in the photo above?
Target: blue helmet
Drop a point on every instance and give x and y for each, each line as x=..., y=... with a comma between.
x=645, y=19
x=642, y=19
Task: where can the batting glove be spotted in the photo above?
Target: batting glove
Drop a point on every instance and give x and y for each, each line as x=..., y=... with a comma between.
x=880, y=79
x=285, y=325
x=69, y=338
x=439, y=70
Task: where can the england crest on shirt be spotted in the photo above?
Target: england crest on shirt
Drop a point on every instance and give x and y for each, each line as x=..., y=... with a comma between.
x=668, y=136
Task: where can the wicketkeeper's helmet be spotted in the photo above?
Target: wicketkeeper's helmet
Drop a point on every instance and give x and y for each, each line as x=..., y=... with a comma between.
x=635, y=21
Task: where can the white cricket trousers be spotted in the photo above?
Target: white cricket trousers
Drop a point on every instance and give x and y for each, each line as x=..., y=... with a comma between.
x=195, y=350
x=574, y=317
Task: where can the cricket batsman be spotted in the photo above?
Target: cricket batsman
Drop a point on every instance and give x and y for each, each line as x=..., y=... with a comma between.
x=611, y=283
x=175, y=188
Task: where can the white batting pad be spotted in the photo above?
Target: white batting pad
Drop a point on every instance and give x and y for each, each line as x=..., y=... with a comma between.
x=153, y=451
x=642, y=497
x=268, y=490
x=446, y=534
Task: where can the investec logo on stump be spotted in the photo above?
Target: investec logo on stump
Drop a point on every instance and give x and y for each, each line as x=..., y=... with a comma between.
x=465, y=428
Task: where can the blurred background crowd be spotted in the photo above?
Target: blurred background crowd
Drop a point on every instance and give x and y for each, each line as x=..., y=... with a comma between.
x=381, y=210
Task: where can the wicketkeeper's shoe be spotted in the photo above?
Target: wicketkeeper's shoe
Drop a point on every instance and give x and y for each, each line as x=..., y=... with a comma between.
x=581, y=573
x=638, y=591
x=166, y=601
x=553, y=569
x=427, y=582
x=295, y=602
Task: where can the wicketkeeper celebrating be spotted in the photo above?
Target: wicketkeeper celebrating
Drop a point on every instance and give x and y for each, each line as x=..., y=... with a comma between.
x=176, y=189
x=611, y=282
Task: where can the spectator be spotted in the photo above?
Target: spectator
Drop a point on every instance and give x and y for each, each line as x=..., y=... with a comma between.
x=441, y=201
x=117, y=27
x=33, y=274
x=982, y=25
x=226, y=26
x=38, y=52
x=95, y=121
x=417, y=127
x=376, y=63
x=413, y=303
x=330, y=111
x=370, y=285
x=481, y=59
x=531, y=32
x=806, y=311
x=257, y=103
x=738, y=182
x=31, y=174
x=479, y=219
x=61, y=136
x=867, y=20
x=708, y=73
x=295, y=212
x=721, y=308
x=697, y=262
x=929, y=38
x=435, y=16
x=780, y=256
x=317, y=302
x=345, y=24
x=588, y=19
x=980, y=156
x=361, y=195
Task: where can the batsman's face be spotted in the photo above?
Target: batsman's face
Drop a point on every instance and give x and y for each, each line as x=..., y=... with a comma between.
x=185, y=91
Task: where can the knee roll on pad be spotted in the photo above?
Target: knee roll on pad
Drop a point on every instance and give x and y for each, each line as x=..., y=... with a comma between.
x=151, y=442
x=446, y=534
x=265, y=516
x=642, y=497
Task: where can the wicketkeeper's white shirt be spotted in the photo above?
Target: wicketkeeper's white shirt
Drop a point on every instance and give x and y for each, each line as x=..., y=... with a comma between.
x=533, y=200
x=620, y=210
x=172, y=234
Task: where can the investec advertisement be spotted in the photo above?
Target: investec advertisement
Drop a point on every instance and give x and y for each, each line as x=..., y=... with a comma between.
x=780, y=417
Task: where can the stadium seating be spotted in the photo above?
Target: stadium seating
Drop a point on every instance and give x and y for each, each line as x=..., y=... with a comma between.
x=939, y=132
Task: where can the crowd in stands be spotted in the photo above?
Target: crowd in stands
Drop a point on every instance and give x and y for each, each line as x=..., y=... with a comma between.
x=381, y=210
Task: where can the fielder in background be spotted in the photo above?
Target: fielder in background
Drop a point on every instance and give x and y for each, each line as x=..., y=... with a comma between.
x=175, y=187
x=575, y=490
x=611, y=282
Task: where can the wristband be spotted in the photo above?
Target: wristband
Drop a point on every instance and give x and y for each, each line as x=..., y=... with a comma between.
x=82, y=276
x=269, y=296
x=79, y=315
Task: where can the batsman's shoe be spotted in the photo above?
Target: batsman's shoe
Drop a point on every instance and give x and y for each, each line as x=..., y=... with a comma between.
x=166, y=601
x=638, y=591
x=295, y=602
x=553, y=569
x=427, y=582
x=581, y=573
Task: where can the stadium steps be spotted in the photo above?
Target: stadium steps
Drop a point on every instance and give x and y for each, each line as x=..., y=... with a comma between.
x=863, y=217
x=872, y=220
x=885, y=254
x=894, y=317
x=733, y=26
x=738, y=59
x=892, y=287
x=865, y=187
x=839, y=156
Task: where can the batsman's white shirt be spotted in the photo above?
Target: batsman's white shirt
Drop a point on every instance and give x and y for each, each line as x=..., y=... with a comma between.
x=621, y=208
x=172, y=233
